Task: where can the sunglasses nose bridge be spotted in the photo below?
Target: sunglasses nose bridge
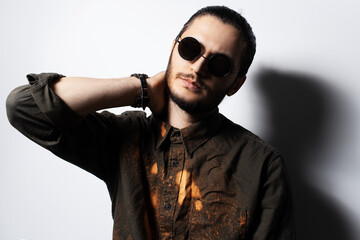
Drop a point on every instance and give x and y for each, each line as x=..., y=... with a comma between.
x=199, y=65
x=204, y=57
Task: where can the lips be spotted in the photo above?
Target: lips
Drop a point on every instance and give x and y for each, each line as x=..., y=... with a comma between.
x=190, y=84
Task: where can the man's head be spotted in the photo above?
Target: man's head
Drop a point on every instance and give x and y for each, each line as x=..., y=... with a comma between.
x=198, y=84
x=229, y=16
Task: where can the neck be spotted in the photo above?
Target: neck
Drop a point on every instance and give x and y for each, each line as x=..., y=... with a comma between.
x=179, y=118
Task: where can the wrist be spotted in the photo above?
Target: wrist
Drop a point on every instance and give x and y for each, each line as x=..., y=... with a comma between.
x=143, y=100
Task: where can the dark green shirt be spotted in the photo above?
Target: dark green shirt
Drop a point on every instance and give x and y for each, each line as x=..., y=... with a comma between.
x=211, y=180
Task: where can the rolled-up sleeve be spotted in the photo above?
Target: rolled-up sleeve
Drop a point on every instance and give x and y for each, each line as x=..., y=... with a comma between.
x=49, y=103
x=36, y=111
x=88, y=142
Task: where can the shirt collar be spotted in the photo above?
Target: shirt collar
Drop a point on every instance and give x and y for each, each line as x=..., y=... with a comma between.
x=192, y=136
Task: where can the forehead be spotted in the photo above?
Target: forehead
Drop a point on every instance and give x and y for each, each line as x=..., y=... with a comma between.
x=214, y=35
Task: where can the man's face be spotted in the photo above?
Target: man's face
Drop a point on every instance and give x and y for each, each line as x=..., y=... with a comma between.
x=190, y=84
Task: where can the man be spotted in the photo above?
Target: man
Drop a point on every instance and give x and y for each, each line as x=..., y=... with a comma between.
x=185, y=172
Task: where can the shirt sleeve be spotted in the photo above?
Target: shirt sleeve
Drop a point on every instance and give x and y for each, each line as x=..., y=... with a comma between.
x=276, y=214
x=89, y=142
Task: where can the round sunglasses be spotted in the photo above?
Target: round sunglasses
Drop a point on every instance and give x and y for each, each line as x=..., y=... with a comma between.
x=219, y=65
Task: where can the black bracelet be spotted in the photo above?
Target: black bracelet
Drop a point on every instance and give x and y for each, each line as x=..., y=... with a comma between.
x=143, y=100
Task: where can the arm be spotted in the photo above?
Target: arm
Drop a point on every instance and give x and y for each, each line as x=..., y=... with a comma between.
x=87, y=141
x=276, y=215
x=86, y=95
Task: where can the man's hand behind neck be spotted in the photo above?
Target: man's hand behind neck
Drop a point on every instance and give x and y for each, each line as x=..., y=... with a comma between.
x=156, y=88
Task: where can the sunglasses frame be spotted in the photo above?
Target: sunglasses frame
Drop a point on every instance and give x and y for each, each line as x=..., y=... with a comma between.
x=209, y=59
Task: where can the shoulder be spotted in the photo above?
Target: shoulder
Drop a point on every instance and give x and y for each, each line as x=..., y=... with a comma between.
x=128, y=120
x=246, y=142
x=130, y=117
x=251, y=158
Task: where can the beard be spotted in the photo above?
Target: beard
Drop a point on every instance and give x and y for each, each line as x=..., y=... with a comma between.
x=197, y=107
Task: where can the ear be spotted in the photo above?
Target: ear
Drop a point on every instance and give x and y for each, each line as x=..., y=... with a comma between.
x=237, y=85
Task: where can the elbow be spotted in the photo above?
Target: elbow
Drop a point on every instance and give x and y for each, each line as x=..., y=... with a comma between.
x=11, y=103
x=15, y=102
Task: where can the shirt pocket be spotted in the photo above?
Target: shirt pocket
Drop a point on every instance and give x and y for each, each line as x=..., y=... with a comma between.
x=211, y=219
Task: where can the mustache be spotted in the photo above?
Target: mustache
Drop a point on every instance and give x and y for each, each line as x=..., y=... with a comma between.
x=187, y=75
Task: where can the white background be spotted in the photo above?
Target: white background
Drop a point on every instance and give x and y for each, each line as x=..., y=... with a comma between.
x=302, y=95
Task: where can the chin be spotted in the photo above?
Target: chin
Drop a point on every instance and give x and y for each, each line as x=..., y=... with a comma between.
x=197, y=106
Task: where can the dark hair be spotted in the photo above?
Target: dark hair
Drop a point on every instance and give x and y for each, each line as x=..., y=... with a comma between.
x=229, y=16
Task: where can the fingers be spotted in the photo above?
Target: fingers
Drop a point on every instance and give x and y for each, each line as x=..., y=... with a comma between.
x=156, y=89
x=160, y=76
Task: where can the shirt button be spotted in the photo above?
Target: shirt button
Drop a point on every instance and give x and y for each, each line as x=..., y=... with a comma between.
x=176, y=163
x=167, y=206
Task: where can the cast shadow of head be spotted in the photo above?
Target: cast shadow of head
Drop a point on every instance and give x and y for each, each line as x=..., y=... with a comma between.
x=297, y=110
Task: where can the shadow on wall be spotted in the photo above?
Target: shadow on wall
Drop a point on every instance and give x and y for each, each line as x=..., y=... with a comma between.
x=298, y=110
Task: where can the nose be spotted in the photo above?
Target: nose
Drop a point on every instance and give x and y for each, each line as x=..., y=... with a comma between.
x=199, y=65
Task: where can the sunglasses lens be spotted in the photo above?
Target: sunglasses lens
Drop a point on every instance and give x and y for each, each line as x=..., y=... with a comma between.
x=189, y=48
x=219, y=65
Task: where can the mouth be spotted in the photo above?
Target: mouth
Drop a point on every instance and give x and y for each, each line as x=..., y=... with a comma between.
x=191, y=84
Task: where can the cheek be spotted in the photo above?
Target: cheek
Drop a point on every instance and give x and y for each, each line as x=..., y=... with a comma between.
x=179, y=64
x=171, y=73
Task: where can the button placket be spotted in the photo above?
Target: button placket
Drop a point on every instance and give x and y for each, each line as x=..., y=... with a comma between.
x=169, y=187
x=167, y=206
x=176, y=163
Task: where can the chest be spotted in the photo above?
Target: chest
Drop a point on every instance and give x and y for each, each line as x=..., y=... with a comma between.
x=197, y=196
